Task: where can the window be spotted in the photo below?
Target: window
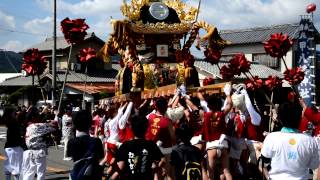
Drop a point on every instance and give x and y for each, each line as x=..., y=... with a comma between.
x=226, y=58
x=266, y=60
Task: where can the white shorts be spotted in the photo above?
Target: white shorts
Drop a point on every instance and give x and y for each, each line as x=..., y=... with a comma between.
x=13, y=161
x=217, y=144
x=196, y=140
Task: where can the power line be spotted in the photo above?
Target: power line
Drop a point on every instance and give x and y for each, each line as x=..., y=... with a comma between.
x=21, y=32
x=9, y=61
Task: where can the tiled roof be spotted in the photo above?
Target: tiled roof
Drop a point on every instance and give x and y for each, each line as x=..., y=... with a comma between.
x=102, y=76
x=259, y=34
x=256, y=70
x=47, y=45
x=93, y=77
x=19, y=81
x=92, y=88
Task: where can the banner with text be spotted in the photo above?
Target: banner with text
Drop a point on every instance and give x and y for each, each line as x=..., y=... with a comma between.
x=304, y=58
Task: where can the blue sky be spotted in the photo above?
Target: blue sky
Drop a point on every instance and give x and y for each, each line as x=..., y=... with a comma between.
x=26, y=22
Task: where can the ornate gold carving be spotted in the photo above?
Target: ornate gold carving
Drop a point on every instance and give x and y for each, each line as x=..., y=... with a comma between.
x=132, y=11
x=185, y=12
x=159, y=28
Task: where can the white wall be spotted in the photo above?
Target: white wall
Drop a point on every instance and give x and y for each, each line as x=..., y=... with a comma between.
x=250, y=49
x=249, y=57
x=289, y=61
x=4, y=76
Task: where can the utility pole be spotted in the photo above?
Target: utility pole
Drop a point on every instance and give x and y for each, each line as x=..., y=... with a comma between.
x=54, y=52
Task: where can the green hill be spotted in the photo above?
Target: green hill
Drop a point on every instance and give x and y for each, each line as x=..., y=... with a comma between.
x=10, y=62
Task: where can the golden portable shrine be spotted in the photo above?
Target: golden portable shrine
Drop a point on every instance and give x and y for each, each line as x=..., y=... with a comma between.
x=149, y=42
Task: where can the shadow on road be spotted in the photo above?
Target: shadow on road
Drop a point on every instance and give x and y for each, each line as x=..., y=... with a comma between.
x=57, y=175
x=60, y=172
x=57, y=178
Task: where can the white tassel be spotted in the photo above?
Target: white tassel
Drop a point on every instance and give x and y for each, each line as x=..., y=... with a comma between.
x=255, y=117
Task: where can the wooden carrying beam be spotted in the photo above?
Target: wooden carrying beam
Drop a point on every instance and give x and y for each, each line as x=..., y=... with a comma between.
x=167, y=91
x=160, y=91
x=210, y=89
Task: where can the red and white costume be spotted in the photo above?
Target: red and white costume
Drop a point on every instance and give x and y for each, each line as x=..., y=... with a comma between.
x=214, y=129
x=125, y=132
x=112, y=130
x=247, y=125
x=196, y=125
x=158, y=131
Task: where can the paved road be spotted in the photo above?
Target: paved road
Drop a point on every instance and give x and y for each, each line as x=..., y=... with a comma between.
x=57, y=169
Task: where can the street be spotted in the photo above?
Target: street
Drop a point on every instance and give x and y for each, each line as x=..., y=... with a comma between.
x=56, y=168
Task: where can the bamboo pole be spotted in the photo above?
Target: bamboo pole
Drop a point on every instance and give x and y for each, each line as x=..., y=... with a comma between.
x=42, y=93
x=85, y=88
x=65, y=79
x=270, y=110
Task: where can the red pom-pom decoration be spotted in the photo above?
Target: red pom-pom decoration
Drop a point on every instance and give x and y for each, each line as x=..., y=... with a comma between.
x=226, y=72
x=278, y=45
x=212, y=56
x=273, y=82
x=255, y=83
x=239, y=64
x=74, y=30
x=33, y=62
x=87, y=54
x=294, y=76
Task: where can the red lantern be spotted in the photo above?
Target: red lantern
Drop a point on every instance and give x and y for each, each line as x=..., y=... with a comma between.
x=311, y=8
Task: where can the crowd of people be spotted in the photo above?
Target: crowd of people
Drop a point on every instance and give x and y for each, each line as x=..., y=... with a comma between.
x=168, y=137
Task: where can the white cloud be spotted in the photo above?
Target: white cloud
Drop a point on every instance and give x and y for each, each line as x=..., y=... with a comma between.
x=101, y=28
x=45, y=4
x=96, y=12
x=227, y=14
x=7, y=20
x=39, y=26
x=13, y=45
x=101, y=8
x=233, y=14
